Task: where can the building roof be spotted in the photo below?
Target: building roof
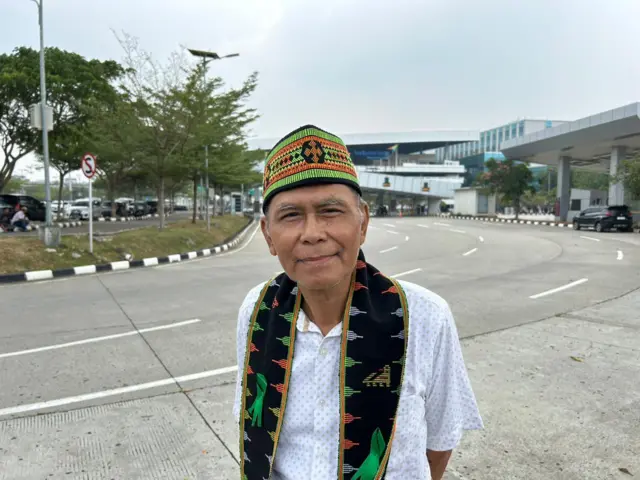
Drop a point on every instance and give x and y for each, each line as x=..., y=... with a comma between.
x=588, y=141
x=408, y=142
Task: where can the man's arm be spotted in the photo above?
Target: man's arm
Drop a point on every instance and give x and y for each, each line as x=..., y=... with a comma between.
x=438, y=463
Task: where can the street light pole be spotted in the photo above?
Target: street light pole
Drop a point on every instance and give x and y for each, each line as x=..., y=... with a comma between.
x=206, y=185
x=206, y=58
x=43, y=106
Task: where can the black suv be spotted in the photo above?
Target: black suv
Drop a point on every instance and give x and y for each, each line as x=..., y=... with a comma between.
x=602, y=219
x=36, y=209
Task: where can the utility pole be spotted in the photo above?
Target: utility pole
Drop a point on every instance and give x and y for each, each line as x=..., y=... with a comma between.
x=206, y=57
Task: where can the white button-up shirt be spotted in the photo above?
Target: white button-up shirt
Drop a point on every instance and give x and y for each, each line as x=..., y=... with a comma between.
x=436, y=400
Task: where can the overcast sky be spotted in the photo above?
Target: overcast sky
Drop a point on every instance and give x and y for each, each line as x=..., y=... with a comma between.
x=354, y=66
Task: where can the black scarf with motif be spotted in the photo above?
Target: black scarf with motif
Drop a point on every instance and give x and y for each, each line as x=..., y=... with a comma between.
x=374, y=341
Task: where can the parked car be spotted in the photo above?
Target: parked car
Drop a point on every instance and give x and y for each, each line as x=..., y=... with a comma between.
x=605, y=218
x=36, y=210
x=80, y=210
x=140, y=209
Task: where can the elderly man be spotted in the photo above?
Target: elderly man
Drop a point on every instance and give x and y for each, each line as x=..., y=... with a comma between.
x=344, y=373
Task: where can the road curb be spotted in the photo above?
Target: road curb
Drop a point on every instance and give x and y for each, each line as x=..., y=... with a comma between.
x=505, y=220
x=37, y=275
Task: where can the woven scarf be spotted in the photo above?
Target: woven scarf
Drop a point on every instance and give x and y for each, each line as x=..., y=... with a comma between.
x=374, y=339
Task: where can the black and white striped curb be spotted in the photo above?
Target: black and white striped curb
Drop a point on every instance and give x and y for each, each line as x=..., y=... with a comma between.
x=128, y=219
x=506, y=220
x=38, y=226
x=126, y=264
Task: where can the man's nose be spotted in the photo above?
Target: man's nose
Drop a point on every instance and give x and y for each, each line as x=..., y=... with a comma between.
x=313, y=230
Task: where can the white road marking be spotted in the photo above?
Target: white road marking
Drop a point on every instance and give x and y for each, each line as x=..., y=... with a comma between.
x=457, y=231
x=406, y=238
x=389, y=225
x=98, y=339
x=402, y=274
x=442, y=224
x=481, y=239
x=559, y=289
x=473, y=250
x=114, y=392
x=423, y=226
x=373, y=228
x=620, y=255
x=392, y=232
x=388, y=250
x=590, y=238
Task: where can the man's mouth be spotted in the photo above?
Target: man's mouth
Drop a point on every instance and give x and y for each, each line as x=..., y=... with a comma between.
x=317, y=259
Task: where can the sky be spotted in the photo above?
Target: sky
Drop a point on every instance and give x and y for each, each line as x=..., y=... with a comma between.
x=359, y=66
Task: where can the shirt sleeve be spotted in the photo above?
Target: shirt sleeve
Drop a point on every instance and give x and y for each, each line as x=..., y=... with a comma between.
x=451, y=406
x=242, y=330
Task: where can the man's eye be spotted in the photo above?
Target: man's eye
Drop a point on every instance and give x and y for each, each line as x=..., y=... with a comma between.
x=332, y=211
x=289, y=215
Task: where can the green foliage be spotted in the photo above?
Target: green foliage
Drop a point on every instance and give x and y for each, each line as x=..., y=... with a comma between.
x=71, y=81
x=629, y=175
x=146, y=122
x=508, y=180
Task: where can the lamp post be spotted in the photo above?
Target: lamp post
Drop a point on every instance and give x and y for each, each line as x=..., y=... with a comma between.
x=206, y=58
x=43, y=107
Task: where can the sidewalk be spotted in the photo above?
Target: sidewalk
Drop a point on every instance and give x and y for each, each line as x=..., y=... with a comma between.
x=560, y=398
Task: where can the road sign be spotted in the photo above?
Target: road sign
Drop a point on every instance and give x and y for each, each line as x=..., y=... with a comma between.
x=89, y=165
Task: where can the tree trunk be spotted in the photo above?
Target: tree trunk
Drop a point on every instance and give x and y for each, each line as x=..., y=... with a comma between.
x=161, y=201
x=195, y=198
x=60, y=188
x=516, y=206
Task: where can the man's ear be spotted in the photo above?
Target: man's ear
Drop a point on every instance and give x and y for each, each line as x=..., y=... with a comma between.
x=264, y=226
x=365, y=222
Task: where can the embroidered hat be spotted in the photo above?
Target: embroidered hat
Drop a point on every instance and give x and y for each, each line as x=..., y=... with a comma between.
x=307, y=156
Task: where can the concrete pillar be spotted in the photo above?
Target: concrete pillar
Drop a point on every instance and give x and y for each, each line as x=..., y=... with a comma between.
x=564, y=187
x=616, y=190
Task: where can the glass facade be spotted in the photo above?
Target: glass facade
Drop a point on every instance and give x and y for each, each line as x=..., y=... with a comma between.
x=492, y=140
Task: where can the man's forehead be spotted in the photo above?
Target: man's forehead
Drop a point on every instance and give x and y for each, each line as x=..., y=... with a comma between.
x=312, y=197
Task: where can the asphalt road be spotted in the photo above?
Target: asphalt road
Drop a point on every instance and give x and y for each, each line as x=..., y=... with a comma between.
x=171, y=329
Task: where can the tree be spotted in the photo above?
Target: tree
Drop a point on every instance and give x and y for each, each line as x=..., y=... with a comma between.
x=113, y=133
x=508, y=179
x=629, y=175
x=16, y=184
x=65, y=151
x=71, y=81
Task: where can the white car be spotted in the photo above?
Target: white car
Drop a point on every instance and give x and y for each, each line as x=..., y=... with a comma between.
x=80, y=210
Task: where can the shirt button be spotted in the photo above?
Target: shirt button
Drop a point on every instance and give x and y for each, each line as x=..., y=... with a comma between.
x=321, y=403
x=323, y=351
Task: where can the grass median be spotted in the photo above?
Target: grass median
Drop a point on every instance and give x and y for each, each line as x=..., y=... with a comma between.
x=20, y=254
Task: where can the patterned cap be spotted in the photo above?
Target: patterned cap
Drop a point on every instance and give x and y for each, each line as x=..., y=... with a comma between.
x=307, y=156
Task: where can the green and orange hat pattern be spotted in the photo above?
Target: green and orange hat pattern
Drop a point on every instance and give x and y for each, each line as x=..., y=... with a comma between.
x=307, y=156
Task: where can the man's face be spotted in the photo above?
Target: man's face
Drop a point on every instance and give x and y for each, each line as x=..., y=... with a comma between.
x=316, y=233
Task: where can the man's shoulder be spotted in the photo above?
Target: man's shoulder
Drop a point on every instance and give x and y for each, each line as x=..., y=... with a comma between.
x=425, y=306
x=252, y=296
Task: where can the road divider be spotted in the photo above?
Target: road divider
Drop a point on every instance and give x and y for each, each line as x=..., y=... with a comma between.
x=37, y=275
x=99, y=339
x=559, y=289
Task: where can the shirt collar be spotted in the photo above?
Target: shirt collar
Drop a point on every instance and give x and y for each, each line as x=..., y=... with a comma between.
x=304, y=325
